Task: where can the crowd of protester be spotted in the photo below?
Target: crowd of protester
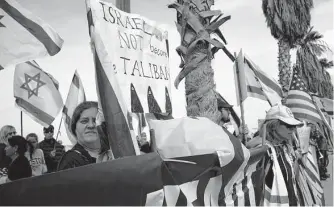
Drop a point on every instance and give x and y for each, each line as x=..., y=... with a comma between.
x=25, y=157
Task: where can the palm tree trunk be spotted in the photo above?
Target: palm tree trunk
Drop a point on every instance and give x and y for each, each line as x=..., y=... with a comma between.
x=195, y=53
x=284, y=64
x=199, y=86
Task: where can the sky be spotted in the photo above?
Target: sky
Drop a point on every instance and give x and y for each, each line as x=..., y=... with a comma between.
x=246, y=29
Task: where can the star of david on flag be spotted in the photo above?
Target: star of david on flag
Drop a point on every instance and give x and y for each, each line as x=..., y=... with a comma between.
x=36, y=93
x=28, y=79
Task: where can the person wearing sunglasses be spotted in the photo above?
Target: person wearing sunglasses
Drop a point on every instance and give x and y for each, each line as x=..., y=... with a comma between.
x=279, y=129
x=53, y=151
x=6, y=132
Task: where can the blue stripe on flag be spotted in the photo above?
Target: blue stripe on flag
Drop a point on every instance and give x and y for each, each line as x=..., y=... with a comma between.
x=35, y=29
x=36, y=112
x=264, y=79
x=253, y=89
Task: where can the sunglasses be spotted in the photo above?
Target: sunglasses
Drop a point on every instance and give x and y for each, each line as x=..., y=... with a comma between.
x=48, y=131
x=11, y=134
x=289, y=126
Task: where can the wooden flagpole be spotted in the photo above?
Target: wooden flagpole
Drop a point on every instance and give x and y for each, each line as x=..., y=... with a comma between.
x=21, y=114
x=240, y=98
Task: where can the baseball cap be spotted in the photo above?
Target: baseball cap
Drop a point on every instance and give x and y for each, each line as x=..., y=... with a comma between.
x=282, y=113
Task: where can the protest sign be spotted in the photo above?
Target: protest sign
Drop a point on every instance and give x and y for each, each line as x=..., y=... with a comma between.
x=137, y=54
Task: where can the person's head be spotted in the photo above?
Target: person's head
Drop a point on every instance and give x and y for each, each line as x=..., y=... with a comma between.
x=280, y=122
x=16, y=145
x=83, y=124
x=224, y=109
x=48, y=132
x=32, y=138
x=6, y=132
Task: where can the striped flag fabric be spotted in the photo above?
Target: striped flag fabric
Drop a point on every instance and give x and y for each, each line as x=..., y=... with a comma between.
x=184, y=138
x=275, y=193
x=299, y=100
x=254, y=82
x=36, y=93
x=309, y=180
x=24, y=36
x=76, y=95
x=147, y=179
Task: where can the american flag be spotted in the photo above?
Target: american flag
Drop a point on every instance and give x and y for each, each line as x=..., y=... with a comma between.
x=300, y=102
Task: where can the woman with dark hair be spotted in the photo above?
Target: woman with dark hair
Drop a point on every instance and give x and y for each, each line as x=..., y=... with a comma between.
x=89, y=148
x=19, y=167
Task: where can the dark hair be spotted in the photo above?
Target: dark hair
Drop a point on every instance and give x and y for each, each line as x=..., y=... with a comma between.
x=50, y=128
x=30, y=147
x=20, y=142
x=78, y=111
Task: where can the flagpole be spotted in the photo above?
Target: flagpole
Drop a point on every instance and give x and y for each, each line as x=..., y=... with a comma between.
x=61, y=121
x=241, y=101
x=264, y=133
x=21, y=114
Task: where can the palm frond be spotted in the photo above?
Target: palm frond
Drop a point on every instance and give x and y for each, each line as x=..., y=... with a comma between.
x=287, y=19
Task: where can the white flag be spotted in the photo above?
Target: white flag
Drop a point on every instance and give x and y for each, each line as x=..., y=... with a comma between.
x=76, y=95
x=255, y=83
x=24, y=36
x=36, y=93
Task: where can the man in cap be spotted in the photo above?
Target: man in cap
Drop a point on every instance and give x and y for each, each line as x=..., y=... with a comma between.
x=283, y=131
x=53, y=151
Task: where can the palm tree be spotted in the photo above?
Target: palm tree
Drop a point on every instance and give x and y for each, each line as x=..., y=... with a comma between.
x=195, y=23
x=288, y=21
x=313, y=72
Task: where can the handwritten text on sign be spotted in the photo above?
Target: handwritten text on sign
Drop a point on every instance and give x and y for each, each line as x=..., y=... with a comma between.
x=138, y=50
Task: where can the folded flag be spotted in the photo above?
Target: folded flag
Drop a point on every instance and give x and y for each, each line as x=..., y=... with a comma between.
x=255, y=83
x=24, y=36
x=76, y=95
x=36, y=93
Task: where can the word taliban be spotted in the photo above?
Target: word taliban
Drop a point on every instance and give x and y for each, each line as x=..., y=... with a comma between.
x=136, y=68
